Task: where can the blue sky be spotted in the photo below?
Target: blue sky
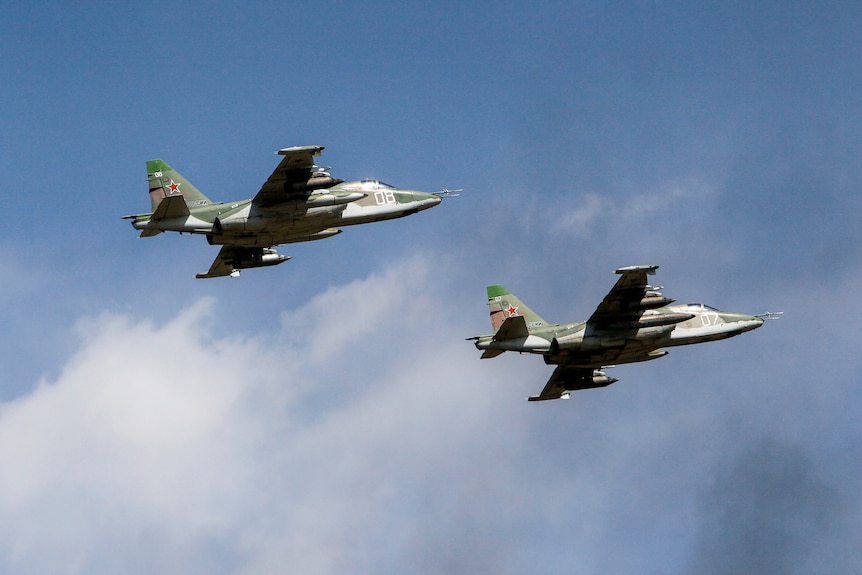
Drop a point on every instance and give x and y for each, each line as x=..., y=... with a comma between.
x=327, y=414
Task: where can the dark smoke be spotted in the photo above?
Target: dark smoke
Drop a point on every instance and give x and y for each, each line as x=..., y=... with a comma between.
x=768, y=512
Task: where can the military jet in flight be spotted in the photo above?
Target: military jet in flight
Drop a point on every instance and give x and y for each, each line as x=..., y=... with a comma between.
x=299, y=202
x=633, y=323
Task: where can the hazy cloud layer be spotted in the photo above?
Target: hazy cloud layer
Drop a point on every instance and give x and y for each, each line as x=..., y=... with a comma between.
x=309, y=449
x=326, y=415
x=767, y=512
x=383, y=444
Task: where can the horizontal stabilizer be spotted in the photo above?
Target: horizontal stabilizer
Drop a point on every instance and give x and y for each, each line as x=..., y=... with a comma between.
x=171, y=207
x=148, y=233
x=489, y=353
x=513, y=327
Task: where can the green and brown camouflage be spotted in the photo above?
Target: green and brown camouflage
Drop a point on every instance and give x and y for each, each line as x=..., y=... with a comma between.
x=503, y=304
x=165, y=181
x=633, y=323
x=299, y=202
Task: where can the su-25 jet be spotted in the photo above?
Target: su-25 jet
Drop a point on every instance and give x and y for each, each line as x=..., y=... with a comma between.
x=299, y=202
x=633, y=323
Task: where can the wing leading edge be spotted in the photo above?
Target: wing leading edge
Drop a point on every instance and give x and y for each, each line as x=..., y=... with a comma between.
x=295, y=176
x=625, y=298
x=624, y=303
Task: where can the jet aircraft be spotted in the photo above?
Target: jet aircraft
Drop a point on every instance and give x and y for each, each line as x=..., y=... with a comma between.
x=299, y=202
x=633, y=323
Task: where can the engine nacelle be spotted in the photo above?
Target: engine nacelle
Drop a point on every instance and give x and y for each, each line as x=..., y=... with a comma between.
x=572, y=342
x=578, y=342
x=239, y=225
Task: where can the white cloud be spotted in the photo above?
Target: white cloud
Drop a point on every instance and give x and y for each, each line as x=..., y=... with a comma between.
x=579, y=221
x=682, y=202
x=364, y=436
x=160, y=439
x=145, y=423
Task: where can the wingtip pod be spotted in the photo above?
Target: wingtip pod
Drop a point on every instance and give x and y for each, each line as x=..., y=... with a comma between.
x=313, y=150
x=649, y=269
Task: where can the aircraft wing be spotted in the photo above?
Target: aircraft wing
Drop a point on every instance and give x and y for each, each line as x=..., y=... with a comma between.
x=231, y=259
x=295, y=169
x=223, y=264
x=568, y=378
x=623, y=298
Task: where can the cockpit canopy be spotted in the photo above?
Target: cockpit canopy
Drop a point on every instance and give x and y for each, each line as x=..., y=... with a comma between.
x=367, y=185
x=694, y=307
x=375, y=185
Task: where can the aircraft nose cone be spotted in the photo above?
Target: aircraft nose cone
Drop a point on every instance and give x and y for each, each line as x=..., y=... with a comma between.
x=750, y=322
x=432, y=199
x=426, y=200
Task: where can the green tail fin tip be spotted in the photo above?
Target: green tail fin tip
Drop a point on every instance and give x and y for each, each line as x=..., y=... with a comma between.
x=503, y=303
x=165, y=181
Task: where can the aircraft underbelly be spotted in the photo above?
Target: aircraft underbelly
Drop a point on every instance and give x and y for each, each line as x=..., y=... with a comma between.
x=598, y=351
x=356, y=213
x=279, y=231
x=276, y=228
x=629, y=353
x=700, y=334
x=367, y=214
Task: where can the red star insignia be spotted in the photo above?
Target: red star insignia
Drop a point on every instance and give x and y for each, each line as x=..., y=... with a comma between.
x=512, y=310
x=175, y=187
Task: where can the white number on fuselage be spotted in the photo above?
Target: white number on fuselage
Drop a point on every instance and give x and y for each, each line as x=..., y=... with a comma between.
x=384, y=197
x=709, y=319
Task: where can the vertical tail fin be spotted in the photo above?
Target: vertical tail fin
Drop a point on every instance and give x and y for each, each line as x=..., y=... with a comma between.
x=166, y=181
x=504, y=304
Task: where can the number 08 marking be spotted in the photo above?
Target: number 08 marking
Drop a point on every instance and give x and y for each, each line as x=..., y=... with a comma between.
x=384, y=197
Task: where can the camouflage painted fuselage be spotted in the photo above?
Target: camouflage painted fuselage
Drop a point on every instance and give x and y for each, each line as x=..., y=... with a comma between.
x=590, y=347
x=247, y=224
x=633, y=323
x=298, y=202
